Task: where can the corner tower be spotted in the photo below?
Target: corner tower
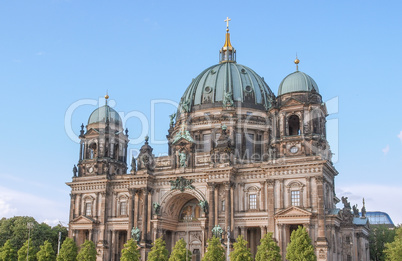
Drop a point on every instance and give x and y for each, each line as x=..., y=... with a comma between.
x=103, y=147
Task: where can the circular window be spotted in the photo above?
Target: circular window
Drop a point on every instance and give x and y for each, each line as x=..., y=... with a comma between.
x=243, y=70
x=248, y=88
x=208, y=89
x=294, y=149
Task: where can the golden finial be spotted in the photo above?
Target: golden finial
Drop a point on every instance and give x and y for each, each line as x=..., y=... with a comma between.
x=297, y=61
x=227, y=23
x=106, y=97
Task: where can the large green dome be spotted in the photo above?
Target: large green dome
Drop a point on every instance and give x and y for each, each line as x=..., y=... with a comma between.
x=235, y=81
x=297, y=82
x=105, y=112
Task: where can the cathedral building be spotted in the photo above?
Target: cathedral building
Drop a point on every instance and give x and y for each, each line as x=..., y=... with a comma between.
x=241, y=159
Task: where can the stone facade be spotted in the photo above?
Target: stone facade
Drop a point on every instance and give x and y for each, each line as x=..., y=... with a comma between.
x=247, y=167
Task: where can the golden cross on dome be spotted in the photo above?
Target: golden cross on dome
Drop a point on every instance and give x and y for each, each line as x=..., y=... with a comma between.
x=227, y=23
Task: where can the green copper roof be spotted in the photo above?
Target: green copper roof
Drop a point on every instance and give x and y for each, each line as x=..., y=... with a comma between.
x=225, y=84
x=297, y=82
x=103, y=113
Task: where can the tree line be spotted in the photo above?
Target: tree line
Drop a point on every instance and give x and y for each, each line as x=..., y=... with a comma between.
x=300, y=248
x=385, y=244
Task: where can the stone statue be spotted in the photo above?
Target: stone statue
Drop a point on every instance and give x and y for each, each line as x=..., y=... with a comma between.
x=181, y=184
x=133, y=165
x=172, y=116
x=156, y=207
x=136, y=234
x=217, y=231
x=364, y=209
x=227, y=100
x=75, y=170
x=185, y=106
x=356, y=211
x=345, y=202
x=204, y=205
x=183, y=159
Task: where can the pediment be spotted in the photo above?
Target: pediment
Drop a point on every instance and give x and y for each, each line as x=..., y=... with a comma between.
x=293, y=212
x=92, y=131
x=182, y=141
x=83, y=220
x=292, y=102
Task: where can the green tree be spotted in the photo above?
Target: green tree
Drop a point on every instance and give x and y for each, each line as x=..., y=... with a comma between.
x=130, y=252
x=393, y=250
x=215, y=251
x=158, y=251
x=22, y=252
x=300, y=247
x=46, y=252
x=8, y=252
x=268, y=249
x=240, y=250
x=87, y=252
x=379, y=236
x=179, y=252
x=15, y=229
x=55, y=236
x=68, y=250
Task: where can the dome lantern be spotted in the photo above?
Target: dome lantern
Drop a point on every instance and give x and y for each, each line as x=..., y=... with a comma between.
x=227, y=53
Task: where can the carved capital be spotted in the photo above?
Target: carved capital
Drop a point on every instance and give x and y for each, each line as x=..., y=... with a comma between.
x=145, y=190
x=211, y=185
x=270, y=182
x=319, y=180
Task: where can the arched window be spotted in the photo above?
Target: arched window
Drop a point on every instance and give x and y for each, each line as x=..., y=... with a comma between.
x=116, y=151
x=294, y=125
x=92, y=151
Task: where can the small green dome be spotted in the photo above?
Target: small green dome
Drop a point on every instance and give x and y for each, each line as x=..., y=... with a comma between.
x=227, y=80
x=105, y=112
x=297, y=82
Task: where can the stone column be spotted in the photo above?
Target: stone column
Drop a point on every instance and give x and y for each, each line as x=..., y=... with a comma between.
x=211, y=216
x=90, y=234
x=231, y=209
x=243, y=231
x=282, y=194
x=130, y=212
x=308, y=192
x=149, y=215
x=320, y=207
x=216, y=204
x=97, y=205
x=72, y=206
x=263, y=231
x=113, y=246
x=79, y=199
x=227, y=205
x=145, y=215
x=321, y=243
x=262, y=200
x=136, y=208
x=271, y=205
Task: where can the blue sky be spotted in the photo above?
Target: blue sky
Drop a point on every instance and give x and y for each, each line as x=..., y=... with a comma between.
x=58, y=57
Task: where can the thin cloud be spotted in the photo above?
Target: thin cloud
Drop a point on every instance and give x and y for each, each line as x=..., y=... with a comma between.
x=40, y=53
x=19, y=203
x=400, y=136
x=385, y=150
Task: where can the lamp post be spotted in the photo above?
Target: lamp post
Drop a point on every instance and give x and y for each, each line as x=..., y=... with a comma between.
x=29, y=226
x=187, y=218
x=228, y=245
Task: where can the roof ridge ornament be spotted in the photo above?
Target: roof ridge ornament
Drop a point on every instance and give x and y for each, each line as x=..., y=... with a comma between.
x=227, y=53
x=297, y=61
